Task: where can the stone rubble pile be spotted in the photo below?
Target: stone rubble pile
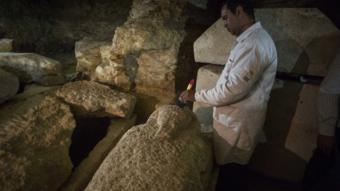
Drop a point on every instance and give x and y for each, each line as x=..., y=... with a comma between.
x=144, y=50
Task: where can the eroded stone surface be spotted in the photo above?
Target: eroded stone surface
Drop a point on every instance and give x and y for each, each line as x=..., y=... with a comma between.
x=143, y=35
x=153, y=34
x=32, y=67
x=113, y=73
x=88, y=55
x=157, y=72
x=35, y=137
x=9, y=85
x=96, y=62
x=92, y=98
x=165, y=153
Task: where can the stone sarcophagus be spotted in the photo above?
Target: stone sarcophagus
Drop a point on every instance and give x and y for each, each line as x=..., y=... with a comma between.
x=165, y=153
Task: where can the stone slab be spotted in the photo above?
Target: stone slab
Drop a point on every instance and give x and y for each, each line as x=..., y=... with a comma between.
x=33, y=67
x=92, y=98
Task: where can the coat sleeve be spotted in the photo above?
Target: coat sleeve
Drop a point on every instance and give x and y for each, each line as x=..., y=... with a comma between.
x=328, y=102
x=327, y=113
x=242, y=77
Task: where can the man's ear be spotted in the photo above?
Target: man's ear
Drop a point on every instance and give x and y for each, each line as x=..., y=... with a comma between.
x=238, y=11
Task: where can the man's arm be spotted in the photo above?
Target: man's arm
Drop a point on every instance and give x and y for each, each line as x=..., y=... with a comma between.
x=247, y=71
x=328, y=106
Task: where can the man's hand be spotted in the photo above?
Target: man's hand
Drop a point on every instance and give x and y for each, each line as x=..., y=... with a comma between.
x=187, y=96
x=326, y=143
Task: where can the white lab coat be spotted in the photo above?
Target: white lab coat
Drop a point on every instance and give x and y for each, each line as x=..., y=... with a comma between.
x=241, y=94
x=328, y=101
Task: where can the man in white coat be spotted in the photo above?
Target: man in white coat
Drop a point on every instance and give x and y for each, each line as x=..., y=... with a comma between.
x=241, y=93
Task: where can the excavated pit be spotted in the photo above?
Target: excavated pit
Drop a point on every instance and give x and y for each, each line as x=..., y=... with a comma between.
x=88, y=132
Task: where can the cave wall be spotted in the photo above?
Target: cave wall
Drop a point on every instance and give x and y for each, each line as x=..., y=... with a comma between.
x=52, y=26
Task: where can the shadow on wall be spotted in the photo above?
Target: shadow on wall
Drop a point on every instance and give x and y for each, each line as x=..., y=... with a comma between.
x=291, y=117
x=272, y=158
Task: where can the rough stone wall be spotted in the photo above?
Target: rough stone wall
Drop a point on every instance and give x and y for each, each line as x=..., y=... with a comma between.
x=166, y=153
x=52, y=26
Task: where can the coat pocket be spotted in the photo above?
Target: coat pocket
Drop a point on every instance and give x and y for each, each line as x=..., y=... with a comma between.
x=227, y=116
x=235, y=125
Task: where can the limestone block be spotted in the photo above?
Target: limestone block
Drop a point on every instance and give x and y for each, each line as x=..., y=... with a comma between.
x=84, y=172
x=92, y=98
x=165, y=153
x=153, y=33
x=142, y=35
x=32, y=67
x=151, y=25
x=112, y=73
x=156, y=70
x=88, y=54
x=9, y=85
x=105, y=53
x=96, y=61
x=284, y=25
x=207, y=77
x=6, y=45
x=214, y=45
x=35, y=136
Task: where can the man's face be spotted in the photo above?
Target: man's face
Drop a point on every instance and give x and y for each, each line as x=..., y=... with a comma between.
x=231, y=21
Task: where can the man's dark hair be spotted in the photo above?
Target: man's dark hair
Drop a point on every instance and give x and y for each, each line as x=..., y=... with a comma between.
x=247, y=6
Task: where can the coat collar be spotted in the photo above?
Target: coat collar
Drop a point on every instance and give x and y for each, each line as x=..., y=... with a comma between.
x=248, y=31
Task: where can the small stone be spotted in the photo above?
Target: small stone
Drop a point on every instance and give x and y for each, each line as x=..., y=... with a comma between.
x=6, y=45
